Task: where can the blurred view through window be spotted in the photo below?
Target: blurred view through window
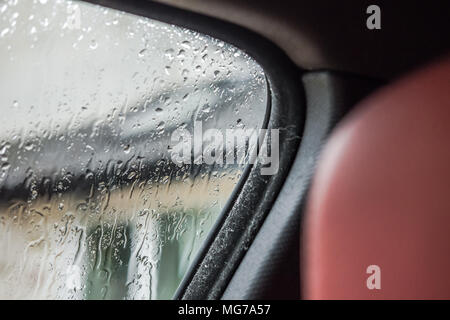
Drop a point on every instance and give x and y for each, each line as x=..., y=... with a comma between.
x=91, y=206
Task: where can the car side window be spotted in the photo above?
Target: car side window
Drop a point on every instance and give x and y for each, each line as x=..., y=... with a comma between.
x=115, y=157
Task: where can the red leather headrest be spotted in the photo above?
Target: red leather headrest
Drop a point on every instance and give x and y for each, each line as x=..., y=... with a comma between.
x=381, y=198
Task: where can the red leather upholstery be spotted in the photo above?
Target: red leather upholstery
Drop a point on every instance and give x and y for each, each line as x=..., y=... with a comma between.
x=381, y=196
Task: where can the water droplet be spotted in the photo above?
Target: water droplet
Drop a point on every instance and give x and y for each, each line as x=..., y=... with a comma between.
x=167, y=70
x=186, y=44
x=93, y=45
x=142, y=52
x=29, y=146
x=6, y=166
x=161, y=125
x=169, y=54
x=4, y=32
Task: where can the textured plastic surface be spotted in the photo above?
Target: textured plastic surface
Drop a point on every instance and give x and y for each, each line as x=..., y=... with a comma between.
x=269, y=270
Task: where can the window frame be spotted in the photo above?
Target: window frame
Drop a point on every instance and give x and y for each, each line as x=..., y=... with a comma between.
x=254, y=194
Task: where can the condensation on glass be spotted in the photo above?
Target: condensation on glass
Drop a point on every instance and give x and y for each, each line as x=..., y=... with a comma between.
x=91, y=207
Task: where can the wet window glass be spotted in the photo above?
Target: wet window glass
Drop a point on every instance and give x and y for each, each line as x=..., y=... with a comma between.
x=105, y=190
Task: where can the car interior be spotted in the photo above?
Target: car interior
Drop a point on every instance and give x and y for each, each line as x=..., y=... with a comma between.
x=224, y=150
